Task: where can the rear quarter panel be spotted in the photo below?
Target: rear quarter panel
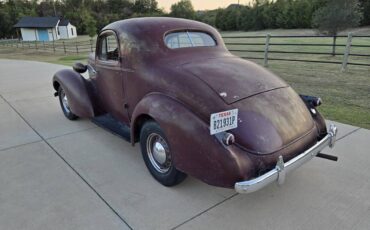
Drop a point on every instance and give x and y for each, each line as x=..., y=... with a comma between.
x=194, y=150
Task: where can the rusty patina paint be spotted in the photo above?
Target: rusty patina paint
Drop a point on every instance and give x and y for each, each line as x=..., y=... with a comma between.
x=180, y=88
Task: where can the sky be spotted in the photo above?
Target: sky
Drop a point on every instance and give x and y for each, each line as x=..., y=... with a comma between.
x=201, y=4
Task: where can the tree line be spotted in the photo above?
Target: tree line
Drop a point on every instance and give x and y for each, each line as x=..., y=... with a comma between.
x=292, y=14
x=89, y=16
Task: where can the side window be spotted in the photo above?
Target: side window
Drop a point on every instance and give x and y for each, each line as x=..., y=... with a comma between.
x=108, y=48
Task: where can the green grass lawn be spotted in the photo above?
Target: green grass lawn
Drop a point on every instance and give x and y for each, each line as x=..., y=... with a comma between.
x=346, y=95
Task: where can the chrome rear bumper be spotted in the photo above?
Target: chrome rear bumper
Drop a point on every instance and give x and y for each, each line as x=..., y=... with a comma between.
x=281, y=169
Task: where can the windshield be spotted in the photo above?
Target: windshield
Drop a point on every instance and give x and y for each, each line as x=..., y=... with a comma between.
x=189, y=39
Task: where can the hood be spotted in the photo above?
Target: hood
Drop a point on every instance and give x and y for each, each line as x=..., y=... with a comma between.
x=234, y=79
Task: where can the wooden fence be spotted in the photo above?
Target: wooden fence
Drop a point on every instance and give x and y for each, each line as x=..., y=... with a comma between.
x=301, y=48
x=340, y=50
x=60, y=46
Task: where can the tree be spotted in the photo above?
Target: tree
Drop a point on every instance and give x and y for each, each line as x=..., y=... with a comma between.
x=207, y=16
x=145, y=6
x=47, y=8
x=247, y=19
x=337, y=15
x=269, y=13
x=11, y=11
x=366, y=7
x=183, y=9
x=92, y=15
x=89, y=23
x=257, y=12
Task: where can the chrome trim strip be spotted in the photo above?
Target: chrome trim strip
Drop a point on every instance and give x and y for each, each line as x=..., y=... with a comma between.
x=281, y=169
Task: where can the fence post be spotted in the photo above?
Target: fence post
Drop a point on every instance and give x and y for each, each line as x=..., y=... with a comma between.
x=54, y=45
x=347, y=52
x=64, y=47
x=36, y=45
x=333, y=53
x=76, y=47
x=43, y=44
x=91, y=45
x=267, y=47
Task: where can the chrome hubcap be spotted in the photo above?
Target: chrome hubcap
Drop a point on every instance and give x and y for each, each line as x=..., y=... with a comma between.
x=158, y=153
x=65, y=101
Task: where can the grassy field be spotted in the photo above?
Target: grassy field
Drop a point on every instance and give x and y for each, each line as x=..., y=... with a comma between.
x=346, y=95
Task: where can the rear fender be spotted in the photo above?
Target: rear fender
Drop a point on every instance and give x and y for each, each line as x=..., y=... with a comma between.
x=78, y=91
x=194, y=150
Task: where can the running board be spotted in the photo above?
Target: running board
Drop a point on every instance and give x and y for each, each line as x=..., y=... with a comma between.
x=114, y=126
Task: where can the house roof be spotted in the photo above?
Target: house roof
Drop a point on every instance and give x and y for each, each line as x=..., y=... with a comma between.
x=37, y=22
x=63, y=22
x=233, y=6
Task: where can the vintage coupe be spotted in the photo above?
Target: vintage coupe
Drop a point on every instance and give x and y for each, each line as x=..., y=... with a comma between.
x=194, y=107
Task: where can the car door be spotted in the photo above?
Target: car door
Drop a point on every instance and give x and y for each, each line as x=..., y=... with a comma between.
x=109, y=76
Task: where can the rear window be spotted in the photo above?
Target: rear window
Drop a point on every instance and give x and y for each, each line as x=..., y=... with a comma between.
x=185, y=39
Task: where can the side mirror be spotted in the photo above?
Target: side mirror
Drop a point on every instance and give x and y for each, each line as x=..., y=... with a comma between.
x=79, y=67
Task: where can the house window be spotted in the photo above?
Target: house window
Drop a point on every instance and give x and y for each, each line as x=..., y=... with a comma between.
x=72, y=31
x=58, y=31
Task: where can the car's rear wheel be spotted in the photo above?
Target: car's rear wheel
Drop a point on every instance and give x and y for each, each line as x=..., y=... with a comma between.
x=65, y=105
x=157, y=155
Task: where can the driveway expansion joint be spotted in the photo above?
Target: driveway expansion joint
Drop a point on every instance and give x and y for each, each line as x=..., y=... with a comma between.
x=204, y=211
x=70, y=133
x=16, y=146
x=68, y=164
x=348, y=134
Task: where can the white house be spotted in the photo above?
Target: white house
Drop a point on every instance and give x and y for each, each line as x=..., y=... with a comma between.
x=66, y=30
x=45, y=29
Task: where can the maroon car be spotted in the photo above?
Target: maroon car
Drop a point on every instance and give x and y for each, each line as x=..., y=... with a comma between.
x=196, y=109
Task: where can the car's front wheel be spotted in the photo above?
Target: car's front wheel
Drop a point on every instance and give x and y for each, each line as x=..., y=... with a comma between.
x=157, y=155
x=65, y=105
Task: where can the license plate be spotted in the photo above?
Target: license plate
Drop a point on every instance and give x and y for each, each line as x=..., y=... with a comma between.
x=223, y=121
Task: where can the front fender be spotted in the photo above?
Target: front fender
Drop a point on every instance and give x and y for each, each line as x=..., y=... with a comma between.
x=77, y=90
x=193, y=149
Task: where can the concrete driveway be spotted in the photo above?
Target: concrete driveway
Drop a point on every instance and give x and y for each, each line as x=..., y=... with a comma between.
x=58, y=174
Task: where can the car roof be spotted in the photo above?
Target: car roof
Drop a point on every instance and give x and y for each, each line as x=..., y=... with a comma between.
x=157, y=24
x=151, y=30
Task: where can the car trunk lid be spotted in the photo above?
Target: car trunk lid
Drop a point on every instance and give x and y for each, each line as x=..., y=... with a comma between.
x=234, y=79
x=271, y=121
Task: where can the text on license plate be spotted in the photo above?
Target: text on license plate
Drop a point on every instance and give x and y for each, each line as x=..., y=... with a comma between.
x=223, y=121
